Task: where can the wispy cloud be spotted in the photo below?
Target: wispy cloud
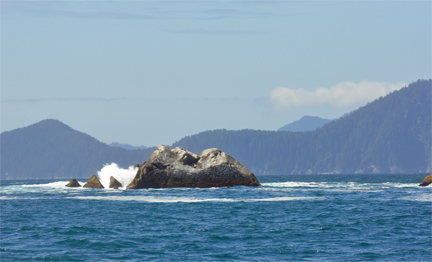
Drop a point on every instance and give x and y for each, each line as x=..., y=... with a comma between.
x=134, y=10
x=213, y=32
x=341, y=95
x=78, y=10
x=63, y=99
x=120, y=99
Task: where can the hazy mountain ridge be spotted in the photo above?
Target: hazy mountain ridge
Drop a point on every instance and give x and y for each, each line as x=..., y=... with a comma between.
x=306, y=123
x=51, y=149
x=389, y=135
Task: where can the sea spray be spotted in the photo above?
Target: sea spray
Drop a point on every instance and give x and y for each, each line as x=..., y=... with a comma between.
x=124, y=176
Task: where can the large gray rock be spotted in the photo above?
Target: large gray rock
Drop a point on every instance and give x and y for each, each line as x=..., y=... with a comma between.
x=178, y=167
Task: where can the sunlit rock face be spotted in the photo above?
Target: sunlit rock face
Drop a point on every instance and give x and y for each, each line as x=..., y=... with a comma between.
x=73, y=183
x=114, y=183
x=178, y=167
x=427, y=181
x=93, y=182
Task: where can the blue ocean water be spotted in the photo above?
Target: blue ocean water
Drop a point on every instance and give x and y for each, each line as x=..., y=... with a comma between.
x=288, y=218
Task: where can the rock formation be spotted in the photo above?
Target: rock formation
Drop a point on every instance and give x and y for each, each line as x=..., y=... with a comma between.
x=73, y=183
x=94, y=182
x=114, y=183
x=178, y=167
x=427, y=181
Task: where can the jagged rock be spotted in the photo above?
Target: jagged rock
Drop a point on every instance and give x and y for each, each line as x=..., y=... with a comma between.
x=178, y=167
x=94, y=182
x=427, y=181
x=114, y=183
x=73, y=183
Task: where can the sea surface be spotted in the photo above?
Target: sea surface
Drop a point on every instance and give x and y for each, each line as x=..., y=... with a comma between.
x=288, y=218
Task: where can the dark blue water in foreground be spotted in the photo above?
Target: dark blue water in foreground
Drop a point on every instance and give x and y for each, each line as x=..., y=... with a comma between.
x=291, y=218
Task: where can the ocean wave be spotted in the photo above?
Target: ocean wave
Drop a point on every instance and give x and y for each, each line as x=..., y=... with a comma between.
x=426, y=197
x=57, y=184
x=20, y=198
x=124, y=176
x=60, y=186
x=8, y=198
x=353, y=185
x=153, y=199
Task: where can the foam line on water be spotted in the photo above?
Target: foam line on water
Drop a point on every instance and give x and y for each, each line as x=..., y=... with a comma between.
x=353, y=185
x=57, y=184
x=152, y=199
x=8, y=198
x=427, y=197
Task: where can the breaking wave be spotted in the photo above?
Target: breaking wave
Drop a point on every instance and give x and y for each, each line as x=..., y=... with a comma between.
x=124, y=176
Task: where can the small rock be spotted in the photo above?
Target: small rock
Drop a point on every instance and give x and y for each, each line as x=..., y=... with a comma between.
x=427, y=181
x=73, y=183
x=114, y=183
x=94, y=182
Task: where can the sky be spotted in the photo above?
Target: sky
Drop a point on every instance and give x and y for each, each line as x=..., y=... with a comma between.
x=152, y=72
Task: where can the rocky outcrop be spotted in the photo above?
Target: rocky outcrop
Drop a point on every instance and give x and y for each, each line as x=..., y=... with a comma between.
x=178, y=167
x=427, y=181
x=93, y=182
x=73, y=183
x=114, y=183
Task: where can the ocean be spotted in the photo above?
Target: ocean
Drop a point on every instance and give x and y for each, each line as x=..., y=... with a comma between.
x=288, y=218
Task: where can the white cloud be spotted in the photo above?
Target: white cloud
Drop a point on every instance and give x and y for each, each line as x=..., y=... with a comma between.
x=341, y=95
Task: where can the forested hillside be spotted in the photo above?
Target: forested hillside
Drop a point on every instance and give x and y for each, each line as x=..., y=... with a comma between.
x=389, y=135
x=51, y=149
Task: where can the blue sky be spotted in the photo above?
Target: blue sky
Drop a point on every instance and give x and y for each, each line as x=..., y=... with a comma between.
x=152, y=72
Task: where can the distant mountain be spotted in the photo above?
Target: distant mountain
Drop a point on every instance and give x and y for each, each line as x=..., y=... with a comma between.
x=306, y=123
x=389, y=135
x=51, y=149
x=127, y=146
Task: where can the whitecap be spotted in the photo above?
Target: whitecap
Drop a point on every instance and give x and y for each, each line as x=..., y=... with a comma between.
x=153, y=199
x=347, y=185
x=420, y=198
x=57, y=184
x=8, y=198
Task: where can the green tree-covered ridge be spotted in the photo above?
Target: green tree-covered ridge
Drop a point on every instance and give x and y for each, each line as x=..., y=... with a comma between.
x=51, y=149
x=389, y=135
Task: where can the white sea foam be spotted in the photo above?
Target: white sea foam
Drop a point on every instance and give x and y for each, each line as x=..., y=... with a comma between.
x=350, y=185
x=57, y=184
x=427, y=197
x=20, y=198
x=153, y=199
x=124, y=176
x=8, y=198
x=291, y=184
